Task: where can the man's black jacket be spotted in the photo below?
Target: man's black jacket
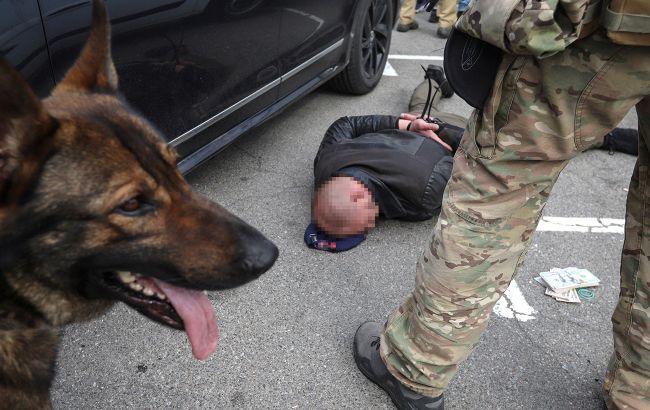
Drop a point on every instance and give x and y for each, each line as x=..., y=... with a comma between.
x=405, y=171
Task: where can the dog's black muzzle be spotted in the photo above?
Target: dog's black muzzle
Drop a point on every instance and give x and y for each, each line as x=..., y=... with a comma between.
x=257, y=254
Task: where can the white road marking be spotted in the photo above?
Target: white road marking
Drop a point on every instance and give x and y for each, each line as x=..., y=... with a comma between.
x=389, y=70
x=595, y=225
x=410, y=57
x=513, y=305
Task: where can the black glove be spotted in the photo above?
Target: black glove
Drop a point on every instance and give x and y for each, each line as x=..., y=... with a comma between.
x=450, y=134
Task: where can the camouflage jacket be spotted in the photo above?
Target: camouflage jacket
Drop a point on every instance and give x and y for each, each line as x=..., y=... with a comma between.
x=530, y=27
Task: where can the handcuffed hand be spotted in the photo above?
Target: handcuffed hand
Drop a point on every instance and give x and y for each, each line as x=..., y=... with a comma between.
x=424, y=128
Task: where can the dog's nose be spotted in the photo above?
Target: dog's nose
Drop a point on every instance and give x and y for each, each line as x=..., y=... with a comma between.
x=258, y=253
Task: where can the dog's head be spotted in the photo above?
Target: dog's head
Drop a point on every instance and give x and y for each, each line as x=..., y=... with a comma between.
x=93, y=209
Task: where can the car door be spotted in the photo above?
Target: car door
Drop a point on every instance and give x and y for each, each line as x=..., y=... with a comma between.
x=22, y=43
x=312, y=38
x=185, y=64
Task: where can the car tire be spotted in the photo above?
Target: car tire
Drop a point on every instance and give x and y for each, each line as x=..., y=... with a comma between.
x=369, y=49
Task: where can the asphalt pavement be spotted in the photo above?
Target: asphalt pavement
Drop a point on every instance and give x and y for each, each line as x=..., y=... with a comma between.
x=286, y=338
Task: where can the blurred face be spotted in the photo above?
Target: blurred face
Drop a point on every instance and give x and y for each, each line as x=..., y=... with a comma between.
x=346, y=208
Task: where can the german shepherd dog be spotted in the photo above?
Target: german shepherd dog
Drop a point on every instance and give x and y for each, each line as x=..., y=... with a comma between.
x=92, y=211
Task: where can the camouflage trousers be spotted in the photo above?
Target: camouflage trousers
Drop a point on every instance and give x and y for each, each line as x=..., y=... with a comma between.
x=541, y=113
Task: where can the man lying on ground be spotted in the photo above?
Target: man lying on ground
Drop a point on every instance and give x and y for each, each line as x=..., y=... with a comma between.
x=394, y=167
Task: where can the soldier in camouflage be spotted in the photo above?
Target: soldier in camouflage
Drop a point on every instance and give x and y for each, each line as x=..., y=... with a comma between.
x=561, y=86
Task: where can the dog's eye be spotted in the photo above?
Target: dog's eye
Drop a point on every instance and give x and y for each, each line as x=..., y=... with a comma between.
x=131, y=205
x=134, y=206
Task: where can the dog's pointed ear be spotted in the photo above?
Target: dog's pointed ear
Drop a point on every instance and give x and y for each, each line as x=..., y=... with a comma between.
x=23, y=124
x=94, y=69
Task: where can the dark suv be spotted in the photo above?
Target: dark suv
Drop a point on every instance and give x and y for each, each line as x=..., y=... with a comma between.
x=205, y=71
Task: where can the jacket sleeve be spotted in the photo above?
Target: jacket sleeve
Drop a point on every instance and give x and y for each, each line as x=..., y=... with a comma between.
x=528, y=27
x=432, y=199
x=346, y=128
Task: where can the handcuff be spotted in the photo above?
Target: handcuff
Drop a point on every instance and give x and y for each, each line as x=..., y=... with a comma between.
x=428, y=104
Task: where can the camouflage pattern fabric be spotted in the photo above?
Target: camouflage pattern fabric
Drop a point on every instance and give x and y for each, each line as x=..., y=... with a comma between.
x=627, y=383
x=541, y=113
x=528, y=27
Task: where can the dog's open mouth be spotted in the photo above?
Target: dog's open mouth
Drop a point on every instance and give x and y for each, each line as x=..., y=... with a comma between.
x=180, y=308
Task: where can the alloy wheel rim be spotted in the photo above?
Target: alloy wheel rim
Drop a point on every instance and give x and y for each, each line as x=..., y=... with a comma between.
x=374, y=38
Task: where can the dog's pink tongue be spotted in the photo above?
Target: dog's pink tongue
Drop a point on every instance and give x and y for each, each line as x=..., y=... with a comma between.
x=195, y=309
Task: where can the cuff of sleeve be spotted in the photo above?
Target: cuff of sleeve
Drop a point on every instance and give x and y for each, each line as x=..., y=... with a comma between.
x=394, y=121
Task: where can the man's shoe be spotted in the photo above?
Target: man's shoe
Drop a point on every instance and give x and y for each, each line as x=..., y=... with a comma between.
x=433, y=17
x=406, y=27
x=369, y=362
x=437, y=74
x=443, y=32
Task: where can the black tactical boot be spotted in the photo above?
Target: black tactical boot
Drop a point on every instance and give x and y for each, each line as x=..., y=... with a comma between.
x=437, y=74
x=366, y=355
x=433, y=17
x=406, y=27
x=443, y=32
x=622, y=140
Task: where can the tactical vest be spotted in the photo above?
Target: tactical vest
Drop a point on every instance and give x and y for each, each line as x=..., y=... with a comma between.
x=627, y=21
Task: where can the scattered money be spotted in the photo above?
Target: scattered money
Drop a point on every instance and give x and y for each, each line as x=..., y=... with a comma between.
x=569, y=296
x=563, y=284
x=569, y=278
